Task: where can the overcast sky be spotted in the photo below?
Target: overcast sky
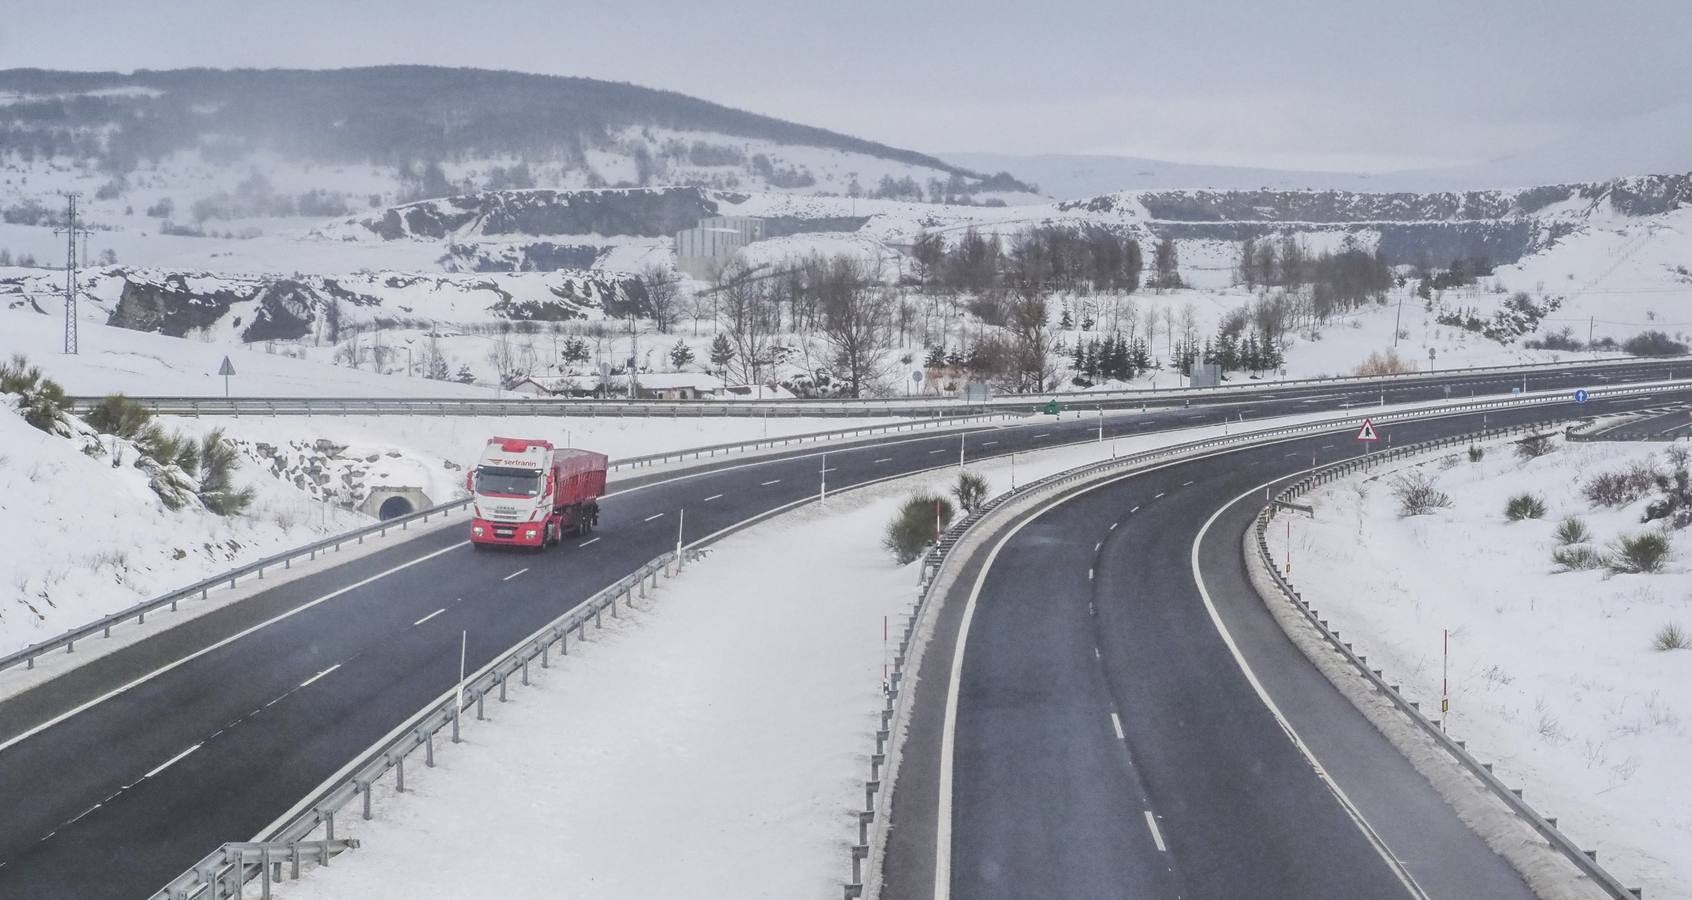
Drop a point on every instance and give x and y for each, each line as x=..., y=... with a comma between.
x=1354, y=85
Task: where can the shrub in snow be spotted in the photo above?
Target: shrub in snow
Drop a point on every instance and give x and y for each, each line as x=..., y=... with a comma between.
x=1534, y=446
x=1672, y=637
x=971, y=491
x=119, y=415
x=1572, y=530
x=1675, y=501
x=1524, y=506
x=1476, y=454
x=1639, y=553
x=1618, y=488
x=217, y=464
x=917, y=524
x=1579, y=557
x=1418, y=494
x=41, y=401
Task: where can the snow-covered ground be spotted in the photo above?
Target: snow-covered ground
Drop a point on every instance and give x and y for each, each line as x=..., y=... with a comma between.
x=712, y=745
x=114, y=360
x=88, y=538
x=1553, y=674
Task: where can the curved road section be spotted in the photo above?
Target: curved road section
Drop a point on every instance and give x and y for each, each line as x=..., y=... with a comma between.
x=1126, y=719
x=119, y=775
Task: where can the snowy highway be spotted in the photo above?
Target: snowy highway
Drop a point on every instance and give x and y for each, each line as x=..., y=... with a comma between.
x=214, y=730
x=1128, y=720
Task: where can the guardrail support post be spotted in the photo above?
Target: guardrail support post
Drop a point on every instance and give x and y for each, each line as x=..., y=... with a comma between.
x=294, y=860
x=455, y=714
x=429, y=750
x=264, y=872
x=480, y=712
x=502, y=681
x=525, y=672
x=363, y=788
x=399, y=775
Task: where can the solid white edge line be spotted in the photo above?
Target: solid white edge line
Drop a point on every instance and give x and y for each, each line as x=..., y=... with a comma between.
x=1393, y=863
x=515, y=574
x=173, y=760
x=1157, y=836
x=225, y=642
x=429, y=616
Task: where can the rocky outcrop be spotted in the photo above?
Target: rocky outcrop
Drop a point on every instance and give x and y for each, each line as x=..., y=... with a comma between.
x=274, y=307
x=644, y=212
x=539, y=256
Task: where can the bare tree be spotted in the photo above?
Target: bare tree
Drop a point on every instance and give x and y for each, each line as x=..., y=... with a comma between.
x=663, y=290
x=745, y=308
x=857, y=311
x=503, y=357
x=1189, y=323
x=1026, y=318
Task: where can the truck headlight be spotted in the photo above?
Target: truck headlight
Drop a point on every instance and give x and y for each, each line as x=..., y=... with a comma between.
x=476, y=530
x=530, y=534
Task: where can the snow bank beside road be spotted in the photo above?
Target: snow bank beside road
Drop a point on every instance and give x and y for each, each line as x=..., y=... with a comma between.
x=1553, y=675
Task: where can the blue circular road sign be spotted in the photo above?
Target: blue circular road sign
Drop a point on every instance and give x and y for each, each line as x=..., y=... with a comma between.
x=1580, y=396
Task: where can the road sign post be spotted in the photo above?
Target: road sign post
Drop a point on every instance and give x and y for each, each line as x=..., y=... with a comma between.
x=1367, y=433
x=226, y=370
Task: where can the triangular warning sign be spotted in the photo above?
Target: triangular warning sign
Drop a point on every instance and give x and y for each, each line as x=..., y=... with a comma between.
x=228, y=368
x=1367, y=432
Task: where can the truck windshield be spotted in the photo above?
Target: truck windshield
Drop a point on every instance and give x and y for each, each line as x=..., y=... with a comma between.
x=513, y=482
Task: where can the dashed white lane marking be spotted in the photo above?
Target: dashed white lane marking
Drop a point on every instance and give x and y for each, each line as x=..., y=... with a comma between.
x=988, y=443
x=654, y=516
x=885, y=459
x=514, y=574
x=706, y=500
x=1327, y=446
x=1096, y=653
x=1186, y=484
x=1097, y=546
x=84, y=813
x=1116, y=723
x=1157, y=836
x=1089, y=573
x=320, y=674
x=1159, y=496
x=1113, y=525
x=941, y=450
x=770, y=482
x=1134, y=510
x=173, y=760
x=828, y=469
x=588, y=541
x=430, y=616
x=1042, y=434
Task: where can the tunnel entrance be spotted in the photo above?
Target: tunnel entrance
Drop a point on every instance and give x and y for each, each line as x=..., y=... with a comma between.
x=394, y=507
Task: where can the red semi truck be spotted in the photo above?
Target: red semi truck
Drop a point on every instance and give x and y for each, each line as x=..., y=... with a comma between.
x=528, y=493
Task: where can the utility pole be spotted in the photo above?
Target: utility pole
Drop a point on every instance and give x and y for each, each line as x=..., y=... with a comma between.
x=70, y=231
x=634, y=357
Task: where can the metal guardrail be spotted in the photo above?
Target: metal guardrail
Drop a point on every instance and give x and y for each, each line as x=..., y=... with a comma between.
x=223, y=873
x=711, y=450
x=873, y=817
x=1584, y=860
x=103, y=626
x=138, y=612
x=936, y=406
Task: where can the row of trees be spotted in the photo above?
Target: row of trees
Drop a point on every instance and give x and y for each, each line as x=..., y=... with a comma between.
x=1057, y=257
x=1337, y=282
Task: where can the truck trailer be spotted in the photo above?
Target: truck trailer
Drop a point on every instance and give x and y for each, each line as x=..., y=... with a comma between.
x=527, y=493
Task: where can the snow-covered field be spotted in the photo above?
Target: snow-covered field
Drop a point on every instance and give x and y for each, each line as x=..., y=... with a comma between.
x=1553, y=674
x=712, y=745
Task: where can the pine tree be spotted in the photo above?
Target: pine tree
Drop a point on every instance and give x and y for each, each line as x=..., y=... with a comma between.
x=956, y=358
x=1079, y=363
x=680, y=354
x=1066, y=321
x=721, y=351
x=465, y=376
x=936, y=357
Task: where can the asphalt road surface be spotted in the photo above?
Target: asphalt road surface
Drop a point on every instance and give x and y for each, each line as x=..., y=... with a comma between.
x=119, y=776
x=1112, y=740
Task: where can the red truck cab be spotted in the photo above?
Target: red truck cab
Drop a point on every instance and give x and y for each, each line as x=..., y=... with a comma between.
x=528, y=493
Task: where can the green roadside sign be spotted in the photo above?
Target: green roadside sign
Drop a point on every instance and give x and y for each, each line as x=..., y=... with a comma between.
x=1051, y=408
